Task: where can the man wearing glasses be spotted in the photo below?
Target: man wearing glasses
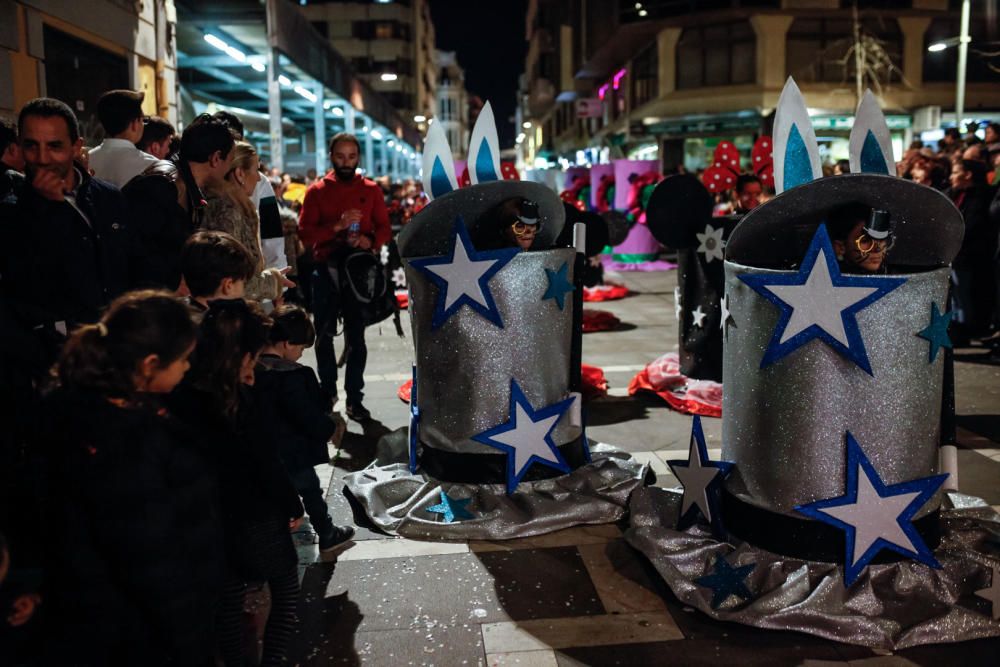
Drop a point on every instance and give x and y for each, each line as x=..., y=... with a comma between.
x=861, y=238
x=117, y=160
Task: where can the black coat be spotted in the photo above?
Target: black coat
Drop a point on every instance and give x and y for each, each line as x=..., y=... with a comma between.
x=255, y=487
x=293, y=412
x=979, y=244
x=162, y=225
x=136, y=558
x=56, y=266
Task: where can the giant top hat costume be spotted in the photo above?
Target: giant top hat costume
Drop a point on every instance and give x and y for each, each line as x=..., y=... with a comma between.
x=497, y=445
x=826, y=513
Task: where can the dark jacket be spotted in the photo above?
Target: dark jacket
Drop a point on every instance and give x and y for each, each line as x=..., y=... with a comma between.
x=162, y=224
x=56, y=265
x=136, y=552
x=293, y=411
x=980, y=241
x=254, y=484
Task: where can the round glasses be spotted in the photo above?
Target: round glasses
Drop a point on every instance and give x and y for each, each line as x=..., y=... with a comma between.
x=866, y=245
x=524, y=230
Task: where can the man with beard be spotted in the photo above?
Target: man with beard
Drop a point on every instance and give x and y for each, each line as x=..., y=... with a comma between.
x=342, y=213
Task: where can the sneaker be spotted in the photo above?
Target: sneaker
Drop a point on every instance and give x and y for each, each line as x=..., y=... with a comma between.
x=337, y=538
x=358, y=412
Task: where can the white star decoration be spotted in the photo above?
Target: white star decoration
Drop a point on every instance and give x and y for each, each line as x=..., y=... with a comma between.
x=527, y=436
x=463, y=276
x=992, y=593
x=818, y=302
x=678, y=308
x=399, y=277
x=384, y=255
x=873, y=517
x=727, y=317
x=711, y=243
x=698, y=317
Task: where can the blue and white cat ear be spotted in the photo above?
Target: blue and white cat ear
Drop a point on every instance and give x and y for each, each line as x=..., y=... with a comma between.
x=870, y=146
x=484, y=149
x=796, y=154
x=438, y=164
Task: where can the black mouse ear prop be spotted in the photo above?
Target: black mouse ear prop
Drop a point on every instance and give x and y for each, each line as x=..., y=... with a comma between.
x=597, y=229
x=679, y=207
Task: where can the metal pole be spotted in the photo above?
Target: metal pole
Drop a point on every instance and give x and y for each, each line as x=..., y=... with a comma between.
x=369, y=164
x=963, y=54
x=274, y=111
x=384, y=157
x=349, y=118
x=319, y=127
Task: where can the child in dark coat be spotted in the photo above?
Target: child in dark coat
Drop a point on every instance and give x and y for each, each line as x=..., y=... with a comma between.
x=136, y=562
x=293, y=410
x=259, y=504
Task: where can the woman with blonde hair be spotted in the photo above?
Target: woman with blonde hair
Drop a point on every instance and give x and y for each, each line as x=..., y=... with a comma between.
x=229, y=209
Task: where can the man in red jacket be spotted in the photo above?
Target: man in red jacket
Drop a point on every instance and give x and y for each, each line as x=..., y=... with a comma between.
x=342, y=213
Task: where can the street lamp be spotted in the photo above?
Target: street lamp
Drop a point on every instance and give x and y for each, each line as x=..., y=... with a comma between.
x=963, y=54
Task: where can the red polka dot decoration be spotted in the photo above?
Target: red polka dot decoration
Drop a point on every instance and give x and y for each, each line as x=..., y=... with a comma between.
x=509, y=171
x=721, y=175
x=761, y=161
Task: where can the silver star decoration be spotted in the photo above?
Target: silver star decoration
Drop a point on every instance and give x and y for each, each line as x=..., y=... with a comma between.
x=818, y=302
x=711, y=244
x=727, y=317
x=993, y=592
x=399, y=277
x=695, y=479
x=678, y=309
x=698, y=317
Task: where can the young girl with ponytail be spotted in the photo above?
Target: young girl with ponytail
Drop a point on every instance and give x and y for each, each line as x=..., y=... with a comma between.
x=135, y=523
x=260, y=505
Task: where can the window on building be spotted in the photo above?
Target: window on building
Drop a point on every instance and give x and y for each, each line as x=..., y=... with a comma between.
x=716, y=55
x=818, y=49
x=645, y=73
x=943, y=65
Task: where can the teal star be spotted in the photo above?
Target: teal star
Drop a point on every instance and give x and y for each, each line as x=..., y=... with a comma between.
x=559, y=285
x=451, y=508
x=726, y=580
x=937, y=331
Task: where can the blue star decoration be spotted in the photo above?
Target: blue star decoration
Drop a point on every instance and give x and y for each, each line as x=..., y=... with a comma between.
x=726, y=580
x=937, y=331
x=702, y=480
x=874, y=515
x=414, y=432
x=463, y=277
x=559, y=285
x=818, y=302
x=526, y=436
x=453, y=509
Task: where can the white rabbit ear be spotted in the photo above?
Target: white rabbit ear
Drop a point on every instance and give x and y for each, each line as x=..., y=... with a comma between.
x=484, y=149
x=870, y=147
x=796, y=155
x=438, y=164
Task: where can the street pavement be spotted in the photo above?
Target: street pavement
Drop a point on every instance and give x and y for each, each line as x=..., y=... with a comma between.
x=580, y=596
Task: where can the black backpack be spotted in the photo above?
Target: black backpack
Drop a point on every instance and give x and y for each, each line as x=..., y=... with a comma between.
x=366, y=283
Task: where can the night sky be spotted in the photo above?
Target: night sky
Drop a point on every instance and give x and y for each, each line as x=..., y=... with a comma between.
x=489, y=39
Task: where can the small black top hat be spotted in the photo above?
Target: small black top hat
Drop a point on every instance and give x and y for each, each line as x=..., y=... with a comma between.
x=878, y=226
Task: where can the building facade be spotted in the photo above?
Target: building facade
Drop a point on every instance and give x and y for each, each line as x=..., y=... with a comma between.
x=654, y=79
x=390, y=44
x=74, y=51
x=452, y=109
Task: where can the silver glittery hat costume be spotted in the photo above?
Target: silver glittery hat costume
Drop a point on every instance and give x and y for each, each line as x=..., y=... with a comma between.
x=496, y=444
x=826, y=513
